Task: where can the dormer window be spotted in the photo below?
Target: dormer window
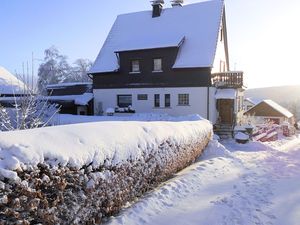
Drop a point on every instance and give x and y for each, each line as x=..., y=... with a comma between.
x=135, y=66
x=157, y=65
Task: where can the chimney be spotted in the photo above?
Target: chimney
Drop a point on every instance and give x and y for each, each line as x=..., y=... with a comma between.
x=157, y=7
x=177, y=3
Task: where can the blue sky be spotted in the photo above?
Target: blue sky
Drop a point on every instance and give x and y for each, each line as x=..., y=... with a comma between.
x=263, y=34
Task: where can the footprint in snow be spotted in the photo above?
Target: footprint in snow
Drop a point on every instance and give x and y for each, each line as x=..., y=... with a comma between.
x=165, y=191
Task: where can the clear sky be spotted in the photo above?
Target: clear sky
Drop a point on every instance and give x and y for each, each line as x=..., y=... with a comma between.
x=264, y=35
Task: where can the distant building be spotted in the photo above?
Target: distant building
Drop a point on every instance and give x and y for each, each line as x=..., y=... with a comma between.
x=11, y=88
x=73, y=98
x=250, y=102
x=268, y=110
x=173, y=61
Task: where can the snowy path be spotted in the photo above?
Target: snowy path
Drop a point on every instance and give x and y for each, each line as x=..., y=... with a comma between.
x=249, y=184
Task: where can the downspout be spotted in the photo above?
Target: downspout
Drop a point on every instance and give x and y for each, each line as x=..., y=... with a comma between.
x=207, y=103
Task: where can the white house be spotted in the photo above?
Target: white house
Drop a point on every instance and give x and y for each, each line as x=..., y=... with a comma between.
x=169, y=60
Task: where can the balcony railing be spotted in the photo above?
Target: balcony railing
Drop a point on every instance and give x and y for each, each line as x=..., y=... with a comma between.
x=232, y=79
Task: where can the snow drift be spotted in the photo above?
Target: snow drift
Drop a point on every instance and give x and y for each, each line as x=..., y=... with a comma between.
x=81, y=173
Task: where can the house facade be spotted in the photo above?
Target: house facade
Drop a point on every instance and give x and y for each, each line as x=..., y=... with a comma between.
x=172, y=60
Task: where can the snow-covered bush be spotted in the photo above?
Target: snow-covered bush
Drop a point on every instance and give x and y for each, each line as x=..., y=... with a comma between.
x=91, y=170
x=110, y=111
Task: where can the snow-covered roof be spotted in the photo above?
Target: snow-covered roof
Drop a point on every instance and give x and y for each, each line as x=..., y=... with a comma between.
x=225, y=94
x=9, y=84
x=174, y=41
x=83, y=99
x=278, y=108
x=62, y=85
x=254, y=101
x=197, y=23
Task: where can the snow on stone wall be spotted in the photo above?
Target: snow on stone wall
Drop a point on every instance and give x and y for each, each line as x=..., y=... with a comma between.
x=82, y=173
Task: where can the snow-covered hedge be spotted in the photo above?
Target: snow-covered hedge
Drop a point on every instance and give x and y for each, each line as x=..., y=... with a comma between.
x=81, y=173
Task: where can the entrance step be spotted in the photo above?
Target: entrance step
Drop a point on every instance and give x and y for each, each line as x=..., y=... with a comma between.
x=224, y=131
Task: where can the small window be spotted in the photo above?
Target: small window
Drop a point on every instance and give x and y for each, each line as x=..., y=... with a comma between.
x=142, y=97
x=221, y=35
x=167, y=100
x=156, y=101
x=124, y=101
x=135, y=66
x=183, y=99
x=157, y=65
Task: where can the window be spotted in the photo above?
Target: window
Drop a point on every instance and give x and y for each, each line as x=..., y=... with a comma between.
x=142, y=97
x=157, y=65
x=156, y=101
x=221, y=35
x=135, y=66
x=183, y=99
x=222, y=66
x=124, y=101
x=167, y=100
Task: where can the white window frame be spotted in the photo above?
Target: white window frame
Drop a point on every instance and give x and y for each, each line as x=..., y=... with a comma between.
x=156, y=101
x=168, y=103
x=136, y=69
x=183, y=99
x=157, y=70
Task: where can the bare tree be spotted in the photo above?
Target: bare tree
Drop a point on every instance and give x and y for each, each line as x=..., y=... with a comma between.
x=80, y=70
x=55, y=69
x=29, y=111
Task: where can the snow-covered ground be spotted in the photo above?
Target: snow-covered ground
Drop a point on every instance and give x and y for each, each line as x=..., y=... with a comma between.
x=231, y=184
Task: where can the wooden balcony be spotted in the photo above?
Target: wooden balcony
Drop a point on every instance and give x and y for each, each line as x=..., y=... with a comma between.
x=231, y=79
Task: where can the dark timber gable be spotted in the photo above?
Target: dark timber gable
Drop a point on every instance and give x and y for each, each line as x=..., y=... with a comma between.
x=186, y=77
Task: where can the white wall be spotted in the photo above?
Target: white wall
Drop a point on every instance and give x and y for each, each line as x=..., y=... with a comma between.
x=197, y=99
x=220, y=55
x=239, y=106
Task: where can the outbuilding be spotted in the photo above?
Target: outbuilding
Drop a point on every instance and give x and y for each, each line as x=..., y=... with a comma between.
x=268, y=110
x=73, y=98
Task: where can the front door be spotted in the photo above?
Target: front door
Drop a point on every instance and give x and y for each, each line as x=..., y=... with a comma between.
x=225, y=108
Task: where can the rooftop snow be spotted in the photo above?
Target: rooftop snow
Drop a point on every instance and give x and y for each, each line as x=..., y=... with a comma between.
x=254, y=101
x=225, y=94
x=84, y=99
x=78, y=99
x=61, y=85
x=279, y=108
x=9, y=84
x=197, y=23
x=139, y=43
